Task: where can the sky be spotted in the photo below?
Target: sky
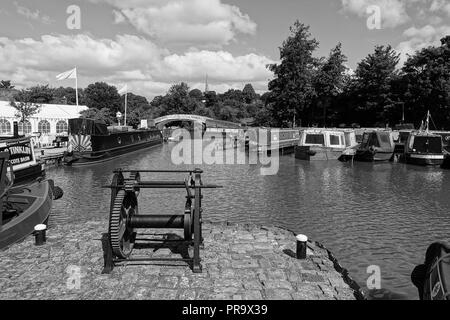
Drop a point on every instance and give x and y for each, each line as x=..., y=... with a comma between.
x=152, y=44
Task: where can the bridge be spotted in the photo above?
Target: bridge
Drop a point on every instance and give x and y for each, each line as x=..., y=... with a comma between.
x=208, y=122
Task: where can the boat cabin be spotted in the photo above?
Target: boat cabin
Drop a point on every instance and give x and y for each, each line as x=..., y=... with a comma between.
x=324, y=138
x=424, y=143
x=381, y=140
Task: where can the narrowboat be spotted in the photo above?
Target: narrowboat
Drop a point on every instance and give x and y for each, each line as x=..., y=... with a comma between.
x=92, y=142
x=21, y=154
x=376, y=145
x=324, y=144
x=22, y=207
x=424, y=148
x=263, y=140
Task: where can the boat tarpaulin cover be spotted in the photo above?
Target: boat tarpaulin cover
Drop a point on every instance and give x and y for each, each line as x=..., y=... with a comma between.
x=87, y=127
x=428, y=144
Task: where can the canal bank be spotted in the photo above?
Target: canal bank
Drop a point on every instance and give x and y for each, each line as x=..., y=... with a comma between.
x=240, y=261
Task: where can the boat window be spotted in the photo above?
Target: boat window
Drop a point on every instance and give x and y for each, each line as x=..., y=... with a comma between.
x=428, y=144
x=365, y=139
x=315, y=139
x=374, y=140
x=385, y=139
x=334, y=140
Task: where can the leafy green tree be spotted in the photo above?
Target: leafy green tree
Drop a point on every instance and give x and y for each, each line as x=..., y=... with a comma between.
x=249, y=93
x=101, y=95
x=67, y=95
x=292, y=86
x=196, y=94
x=103, y=114
x=24, y=105
x=6, y=84
x=330, y=81
x=372, y=85
x=211, y=99
x=41, y=94
x=426, y=81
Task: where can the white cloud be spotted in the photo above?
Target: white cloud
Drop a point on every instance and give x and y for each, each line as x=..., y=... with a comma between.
x=440, y=6
x=419, y=38
x=208, y=22
x=393, y=12
x=34, y=15
x=147, y=68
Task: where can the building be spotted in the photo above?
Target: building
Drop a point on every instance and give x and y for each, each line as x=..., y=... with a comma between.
x=50, y=121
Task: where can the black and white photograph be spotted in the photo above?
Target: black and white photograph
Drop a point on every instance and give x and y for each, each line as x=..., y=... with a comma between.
x=221, y=156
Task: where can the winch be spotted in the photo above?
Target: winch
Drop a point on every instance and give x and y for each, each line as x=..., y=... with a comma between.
x=125, y=219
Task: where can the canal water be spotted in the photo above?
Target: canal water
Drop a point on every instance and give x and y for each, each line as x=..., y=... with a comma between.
x=367, y=214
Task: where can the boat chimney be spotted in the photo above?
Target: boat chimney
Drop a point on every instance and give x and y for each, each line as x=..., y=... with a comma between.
x=15, y=129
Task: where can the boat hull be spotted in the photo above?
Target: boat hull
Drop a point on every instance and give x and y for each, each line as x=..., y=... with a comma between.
x=369, y=156
x=36, y=201
x=88, y=158
x=425, y=159
x=308, y=153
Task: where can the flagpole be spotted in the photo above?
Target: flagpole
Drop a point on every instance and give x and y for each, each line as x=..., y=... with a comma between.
x=76, y=85
x=126, y=93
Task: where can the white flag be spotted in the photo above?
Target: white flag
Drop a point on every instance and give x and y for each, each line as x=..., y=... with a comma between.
x=71, y=74
x=123, y=90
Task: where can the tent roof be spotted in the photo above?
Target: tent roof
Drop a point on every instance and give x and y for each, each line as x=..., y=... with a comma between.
x=47, y=111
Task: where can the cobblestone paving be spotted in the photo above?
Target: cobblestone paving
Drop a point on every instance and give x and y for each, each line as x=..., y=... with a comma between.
x=239, y=262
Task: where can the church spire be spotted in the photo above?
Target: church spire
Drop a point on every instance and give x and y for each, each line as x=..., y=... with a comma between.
x=206, y=84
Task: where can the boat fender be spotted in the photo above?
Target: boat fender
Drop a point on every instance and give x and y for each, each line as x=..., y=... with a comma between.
x=372, y=150
x=57, y=193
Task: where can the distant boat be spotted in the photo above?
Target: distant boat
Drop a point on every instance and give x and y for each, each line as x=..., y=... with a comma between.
x=22, y=208
x=92, y=142
x=325, y=144
x=21, y=155
x=376, y=145
x=424, y=147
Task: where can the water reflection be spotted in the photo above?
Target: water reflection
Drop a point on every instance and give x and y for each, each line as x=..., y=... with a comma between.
x=367, y=214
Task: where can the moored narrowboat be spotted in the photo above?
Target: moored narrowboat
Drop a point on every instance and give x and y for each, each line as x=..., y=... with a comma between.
x=22, y=207
x=424, y=148
x=22, y=157
x=376, y=145
x=324, y=144
x=92, y=142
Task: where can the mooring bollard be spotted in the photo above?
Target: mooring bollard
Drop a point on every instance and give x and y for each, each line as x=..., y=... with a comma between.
x=39, y=234
x=301, y=246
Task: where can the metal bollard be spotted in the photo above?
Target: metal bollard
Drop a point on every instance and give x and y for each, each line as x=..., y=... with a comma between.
x=301, y=246
x=39, y=234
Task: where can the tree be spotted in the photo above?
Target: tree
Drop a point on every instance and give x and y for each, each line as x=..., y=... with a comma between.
x=6, y=84
x=292, y=88
x=196, y=94
x=330, y=80
x=426, y=83
x=25, y=107
x=103, y=114
x=40, y=94
x=101, y=95
x=67, y=95
x=138, y=108
x=372, y=85
x=249, y=93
